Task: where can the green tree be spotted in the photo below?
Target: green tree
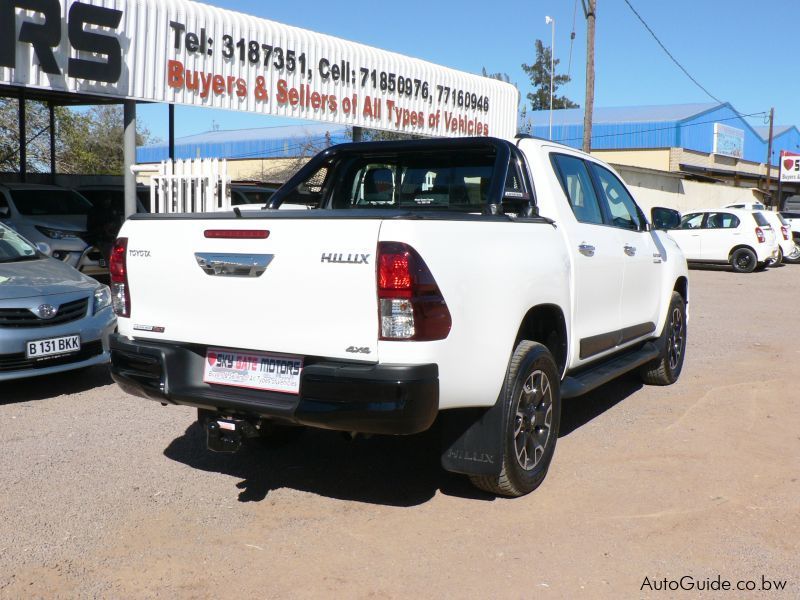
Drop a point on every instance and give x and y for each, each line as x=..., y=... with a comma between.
x=93, y=141
x=539, y=73
x=37, y=135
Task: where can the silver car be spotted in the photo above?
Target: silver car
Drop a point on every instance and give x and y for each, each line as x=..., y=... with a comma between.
x=52, y=318
x=49, y=214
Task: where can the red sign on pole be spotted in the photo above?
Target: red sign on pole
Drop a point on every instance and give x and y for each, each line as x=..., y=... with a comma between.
x=790, y=167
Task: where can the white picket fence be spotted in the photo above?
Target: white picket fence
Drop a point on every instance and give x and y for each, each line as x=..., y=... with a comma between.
x=186, y=186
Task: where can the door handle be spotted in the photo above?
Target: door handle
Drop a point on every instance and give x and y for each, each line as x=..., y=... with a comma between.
x=586, y=249
x=630, y=250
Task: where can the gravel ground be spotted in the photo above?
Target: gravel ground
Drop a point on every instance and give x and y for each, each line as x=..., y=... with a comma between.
x=110, y=496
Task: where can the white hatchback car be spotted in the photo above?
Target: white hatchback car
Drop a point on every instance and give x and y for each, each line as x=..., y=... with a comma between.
x=793, y=220
x=743, y=239
x=789, y=252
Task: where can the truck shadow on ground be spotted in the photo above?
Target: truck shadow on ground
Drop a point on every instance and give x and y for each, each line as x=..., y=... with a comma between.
x=577, y=412
x=394, y=471
x=50, y=386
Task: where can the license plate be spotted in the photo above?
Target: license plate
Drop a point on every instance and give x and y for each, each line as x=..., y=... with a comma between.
x=53, y=346
x=254, y=370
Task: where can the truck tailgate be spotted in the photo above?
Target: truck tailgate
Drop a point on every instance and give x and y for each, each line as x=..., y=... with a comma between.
x=308, y=288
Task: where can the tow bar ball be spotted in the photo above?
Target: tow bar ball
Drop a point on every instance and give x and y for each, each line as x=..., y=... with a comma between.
x=226, y=435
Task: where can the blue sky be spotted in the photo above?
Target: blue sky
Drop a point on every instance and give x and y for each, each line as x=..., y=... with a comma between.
x=742, y=51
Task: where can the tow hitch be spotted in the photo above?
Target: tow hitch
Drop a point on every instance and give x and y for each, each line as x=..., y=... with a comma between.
x=226, y=434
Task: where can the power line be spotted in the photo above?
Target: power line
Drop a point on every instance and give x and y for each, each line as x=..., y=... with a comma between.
x=606, y=135
x=675, y=60
x=572, y=38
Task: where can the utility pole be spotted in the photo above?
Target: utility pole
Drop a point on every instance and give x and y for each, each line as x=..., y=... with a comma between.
x=552, y=22
x=590, y=11
x=769, y=156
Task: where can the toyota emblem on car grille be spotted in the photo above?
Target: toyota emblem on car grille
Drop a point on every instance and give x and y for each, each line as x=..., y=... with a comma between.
x=46, y=311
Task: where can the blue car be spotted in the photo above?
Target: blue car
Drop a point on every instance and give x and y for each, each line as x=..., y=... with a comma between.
x=52, y=318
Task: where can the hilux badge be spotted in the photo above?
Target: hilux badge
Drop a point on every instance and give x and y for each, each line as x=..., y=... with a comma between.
x=340, y=257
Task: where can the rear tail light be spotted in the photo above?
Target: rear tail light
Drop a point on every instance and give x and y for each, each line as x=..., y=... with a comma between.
x=760, y=235
x=118, y=268
x=785, y=232
x=411, y=307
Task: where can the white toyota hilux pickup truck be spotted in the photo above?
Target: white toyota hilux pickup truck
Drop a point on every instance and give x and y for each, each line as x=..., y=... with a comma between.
x=480, y=281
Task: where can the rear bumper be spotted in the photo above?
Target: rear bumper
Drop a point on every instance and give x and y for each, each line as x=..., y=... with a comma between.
x=767, y=254
x=388, y=399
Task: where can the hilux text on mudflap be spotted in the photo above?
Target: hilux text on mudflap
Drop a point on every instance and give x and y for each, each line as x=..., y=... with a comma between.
x=478, y=280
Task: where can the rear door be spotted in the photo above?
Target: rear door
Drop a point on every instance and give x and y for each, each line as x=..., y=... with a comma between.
x=597, y=252
x=641, y=285
x=720, y=235
x=305, y=286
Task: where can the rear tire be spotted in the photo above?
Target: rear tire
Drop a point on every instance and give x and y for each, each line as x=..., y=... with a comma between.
x=743, y=260
x=791, y=261
x=531, y=397
x=672, y=343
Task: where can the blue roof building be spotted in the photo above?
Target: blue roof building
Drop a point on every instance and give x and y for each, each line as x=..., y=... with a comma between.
x=263, y=142
x=710, y=128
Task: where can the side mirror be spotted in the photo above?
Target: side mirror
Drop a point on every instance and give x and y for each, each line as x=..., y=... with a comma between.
x=44, y=248
x=5, y=212
x=664, y=218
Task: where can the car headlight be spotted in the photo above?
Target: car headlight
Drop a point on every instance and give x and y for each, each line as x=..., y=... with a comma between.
x=102, y=298
x=59, y=234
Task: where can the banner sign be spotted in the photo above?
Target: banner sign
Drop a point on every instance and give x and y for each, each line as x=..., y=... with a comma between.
x=182, y=52
x=790, y=167
x=728, y=141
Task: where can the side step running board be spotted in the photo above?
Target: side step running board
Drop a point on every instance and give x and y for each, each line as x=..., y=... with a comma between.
x=594, y=377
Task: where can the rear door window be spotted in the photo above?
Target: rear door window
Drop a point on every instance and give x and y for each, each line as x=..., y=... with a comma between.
x=722, y=221
x=577, y=185
x=692, y=221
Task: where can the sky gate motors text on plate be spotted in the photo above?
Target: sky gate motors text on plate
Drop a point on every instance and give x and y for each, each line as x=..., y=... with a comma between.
x=446, y=105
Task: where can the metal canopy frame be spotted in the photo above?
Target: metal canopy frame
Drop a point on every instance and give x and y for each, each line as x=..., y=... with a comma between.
x=55, y=98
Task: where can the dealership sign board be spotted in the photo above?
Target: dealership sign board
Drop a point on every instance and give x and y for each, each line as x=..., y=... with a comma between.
x=728, y=141
x=189, y=53
x=790, y=167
